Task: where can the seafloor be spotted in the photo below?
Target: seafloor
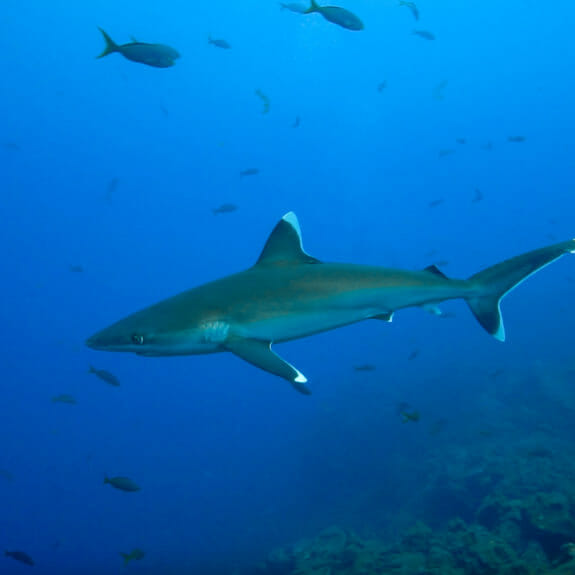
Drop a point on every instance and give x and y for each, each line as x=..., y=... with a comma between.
x=498, y=498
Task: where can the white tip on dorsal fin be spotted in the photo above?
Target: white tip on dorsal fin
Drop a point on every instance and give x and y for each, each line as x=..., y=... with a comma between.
x=292, y=220
x=284, y=245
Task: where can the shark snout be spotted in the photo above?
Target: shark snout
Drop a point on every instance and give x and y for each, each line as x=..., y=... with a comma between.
x=94, y=342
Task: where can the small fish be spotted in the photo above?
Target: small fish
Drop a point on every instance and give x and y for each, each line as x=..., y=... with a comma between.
x=155, y=55
x=435, y=203
x=122, y=483
x=446, y=152
x=516, y=139
x=461, y=141
x=133, y=555
x=407, y=413
x=105, y=376
x=336, y=15
x=219, y=43
x=111, y=189
x=11, y=146
x=364, y=367
x=487, y=147
x=539, y=452
x=425, y=34
x=69, y=399
x=265, y=101
x=20, y=556
x=382, y=86
x=294, y=7
x=439, y=89
x=76, y=268
x=478, y=195
x=224, y=209
x=495, y=374
x=413, y=355
x=412, y=7
x=5, y=474
x=249, y=172
x=164, y=110
x=297, y=122
x=437, y=427
x=407, y=416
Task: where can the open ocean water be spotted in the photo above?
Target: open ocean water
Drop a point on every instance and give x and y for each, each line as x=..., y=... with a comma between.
x=402, y=135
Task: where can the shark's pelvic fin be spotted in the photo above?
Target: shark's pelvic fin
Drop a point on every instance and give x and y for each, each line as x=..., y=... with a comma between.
x=260, y=354
x=284, y=245
x=386, y=316
x=500, y=279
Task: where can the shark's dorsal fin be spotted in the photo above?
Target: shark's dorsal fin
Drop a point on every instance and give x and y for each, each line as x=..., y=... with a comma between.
x=284, y=246
x=433, y=269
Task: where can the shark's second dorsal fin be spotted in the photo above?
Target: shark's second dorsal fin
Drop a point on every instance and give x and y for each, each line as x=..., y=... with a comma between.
x=433, y=269
x=284, y=246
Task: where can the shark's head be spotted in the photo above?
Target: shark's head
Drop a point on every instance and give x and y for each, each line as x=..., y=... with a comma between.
x=152, y=332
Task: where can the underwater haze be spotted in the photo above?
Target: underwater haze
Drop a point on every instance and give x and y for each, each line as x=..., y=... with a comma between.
x=438, y=133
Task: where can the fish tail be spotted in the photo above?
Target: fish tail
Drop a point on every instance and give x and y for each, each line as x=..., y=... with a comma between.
x=91, y=369
x=126, y=557
x=496, y=281
x=111, y=46
x=106, y=480
x=314, y=7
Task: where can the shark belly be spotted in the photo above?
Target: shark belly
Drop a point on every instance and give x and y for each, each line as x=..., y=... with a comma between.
x=299, y=324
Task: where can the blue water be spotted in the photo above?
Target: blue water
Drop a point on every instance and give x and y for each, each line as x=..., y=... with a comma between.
x=231, y=461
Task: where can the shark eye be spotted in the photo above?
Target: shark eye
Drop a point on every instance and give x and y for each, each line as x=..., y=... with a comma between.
x=138, y=339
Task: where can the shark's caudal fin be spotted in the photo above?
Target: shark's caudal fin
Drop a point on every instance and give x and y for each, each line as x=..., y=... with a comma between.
x=501, y=278
x=111, y=46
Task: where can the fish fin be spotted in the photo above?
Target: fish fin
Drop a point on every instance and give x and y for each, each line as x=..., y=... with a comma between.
x=314, y=7
x=284, y=245
x=433, y=269
x=111, y=46
x=260, y=354
x=498, y=280
x=126, y=557
x=387, y=316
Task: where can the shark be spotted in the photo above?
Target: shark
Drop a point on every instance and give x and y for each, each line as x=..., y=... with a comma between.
x=288, y=294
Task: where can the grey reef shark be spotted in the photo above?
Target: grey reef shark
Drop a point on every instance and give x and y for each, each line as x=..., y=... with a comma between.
x=289, y=294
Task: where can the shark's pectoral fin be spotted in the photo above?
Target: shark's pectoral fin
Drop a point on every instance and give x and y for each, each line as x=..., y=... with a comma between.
x=260, y=354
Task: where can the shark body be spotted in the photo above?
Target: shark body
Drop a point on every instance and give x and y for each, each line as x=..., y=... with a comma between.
x=288, y=294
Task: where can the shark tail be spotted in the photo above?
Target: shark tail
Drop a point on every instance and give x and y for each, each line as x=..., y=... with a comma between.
x=314, y=7
x=111, y=46
x=496, y=281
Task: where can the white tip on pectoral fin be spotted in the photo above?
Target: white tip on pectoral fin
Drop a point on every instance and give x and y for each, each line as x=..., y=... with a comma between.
x=261, y=354
x=301, y=378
